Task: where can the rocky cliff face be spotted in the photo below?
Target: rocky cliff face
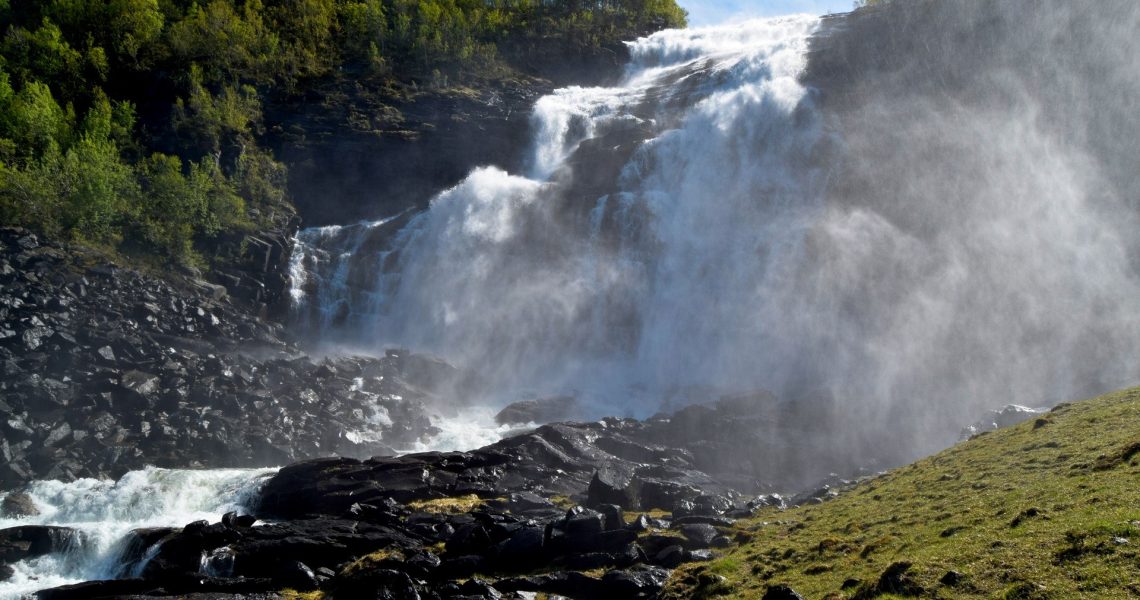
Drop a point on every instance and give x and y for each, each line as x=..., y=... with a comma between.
x=358, y=153
x=362, y=147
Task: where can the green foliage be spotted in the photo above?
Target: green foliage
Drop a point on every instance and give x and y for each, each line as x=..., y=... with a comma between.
x=210, y=122
x=224, y=42
x=138, y=123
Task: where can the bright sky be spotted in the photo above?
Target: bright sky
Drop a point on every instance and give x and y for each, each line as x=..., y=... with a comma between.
x=709, y=12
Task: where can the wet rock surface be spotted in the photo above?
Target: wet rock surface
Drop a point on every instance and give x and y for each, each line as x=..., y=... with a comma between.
x=105, y=369
x=391, y=549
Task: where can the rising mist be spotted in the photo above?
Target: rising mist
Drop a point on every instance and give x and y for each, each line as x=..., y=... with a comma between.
x=892, y=220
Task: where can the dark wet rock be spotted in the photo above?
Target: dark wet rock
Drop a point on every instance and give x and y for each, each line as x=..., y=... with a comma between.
x=721, y=541
x=30, y=541
x=468, y=539
x=583, y=523
x=643, y=581
x=477, y=588
x=781, y=592
x=200, y=586
x=951, y=578
x=296, y=575
x=422, y=563
x=895, y=579
x=18, y=504
x=525, y=547
x=564, y=583
x=629, y=555
x=702, y=555
x=715, y=521
x=612, y=484
x=699, y=535
x=613, y=517
x=710, y=505
x=136, y=546
x=236, y=521
x=670, y=556
x=128, y=370
x=545, y=410
x=461, y=566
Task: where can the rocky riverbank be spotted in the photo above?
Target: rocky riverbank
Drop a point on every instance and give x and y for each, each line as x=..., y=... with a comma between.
x=580, y=510
x=106, y=369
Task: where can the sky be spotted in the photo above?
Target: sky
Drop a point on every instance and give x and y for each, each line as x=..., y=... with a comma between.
x=709, y=12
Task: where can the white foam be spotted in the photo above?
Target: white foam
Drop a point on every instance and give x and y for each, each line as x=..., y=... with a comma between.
x=104, y=511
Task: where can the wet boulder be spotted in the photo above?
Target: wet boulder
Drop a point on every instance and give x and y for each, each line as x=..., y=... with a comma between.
x=613, y=484
x=30, y=541
x=563, y=583
x=136, y=545
x=296, y=575
x=544, y=410
x=18, y=504
x=642, y=581
x=525, y=547
x=699, y=535
x=781, y=592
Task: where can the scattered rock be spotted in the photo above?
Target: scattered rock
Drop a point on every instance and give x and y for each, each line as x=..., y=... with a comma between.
x=781, y=592
x=951, y=578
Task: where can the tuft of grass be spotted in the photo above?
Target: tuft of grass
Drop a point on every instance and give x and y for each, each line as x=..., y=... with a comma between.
x=564, y=502
x=1037, y=511
x=449, y=506
x=369, y=562
x=291, y=594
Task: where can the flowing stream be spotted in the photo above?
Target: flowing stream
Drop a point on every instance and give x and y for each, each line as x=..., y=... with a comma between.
x=104, y=512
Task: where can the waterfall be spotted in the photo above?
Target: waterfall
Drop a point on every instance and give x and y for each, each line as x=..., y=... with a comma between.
x=893, y=263
x=104, y=512
x=594, y=271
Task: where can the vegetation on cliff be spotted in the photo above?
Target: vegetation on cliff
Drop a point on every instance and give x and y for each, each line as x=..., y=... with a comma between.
x=1045, y=509
x=138, y=124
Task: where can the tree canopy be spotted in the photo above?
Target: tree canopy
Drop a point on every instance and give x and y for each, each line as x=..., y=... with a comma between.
x=137, y=124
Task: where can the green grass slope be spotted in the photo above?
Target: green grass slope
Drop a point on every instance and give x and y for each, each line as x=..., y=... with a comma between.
x=1047, y=509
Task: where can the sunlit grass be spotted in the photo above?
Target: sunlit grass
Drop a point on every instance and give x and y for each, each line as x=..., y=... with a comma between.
x=1047, y=509
x=453, y=505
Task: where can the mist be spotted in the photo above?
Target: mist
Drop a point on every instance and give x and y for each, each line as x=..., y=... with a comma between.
x=892, y=221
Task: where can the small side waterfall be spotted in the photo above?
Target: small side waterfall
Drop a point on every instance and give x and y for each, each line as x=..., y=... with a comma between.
x=103, y=513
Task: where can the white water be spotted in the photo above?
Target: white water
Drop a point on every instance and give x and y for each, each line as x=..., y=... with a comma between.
x=105, y=511
x=986, y=267
x=491, y=277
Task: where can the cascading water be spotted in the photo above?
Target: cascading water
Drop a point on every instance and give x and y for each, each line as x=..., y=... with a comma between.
x=588, y=274
x=696, y=231
x=104, y=512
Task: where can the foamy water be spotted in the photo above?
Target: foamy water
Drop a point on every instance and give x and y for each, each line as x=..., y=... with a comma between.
x=104, y=511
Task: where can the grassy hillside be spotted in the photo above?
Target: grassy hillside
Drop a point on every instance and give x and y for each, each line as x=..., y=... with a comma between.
x=1047, y=509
